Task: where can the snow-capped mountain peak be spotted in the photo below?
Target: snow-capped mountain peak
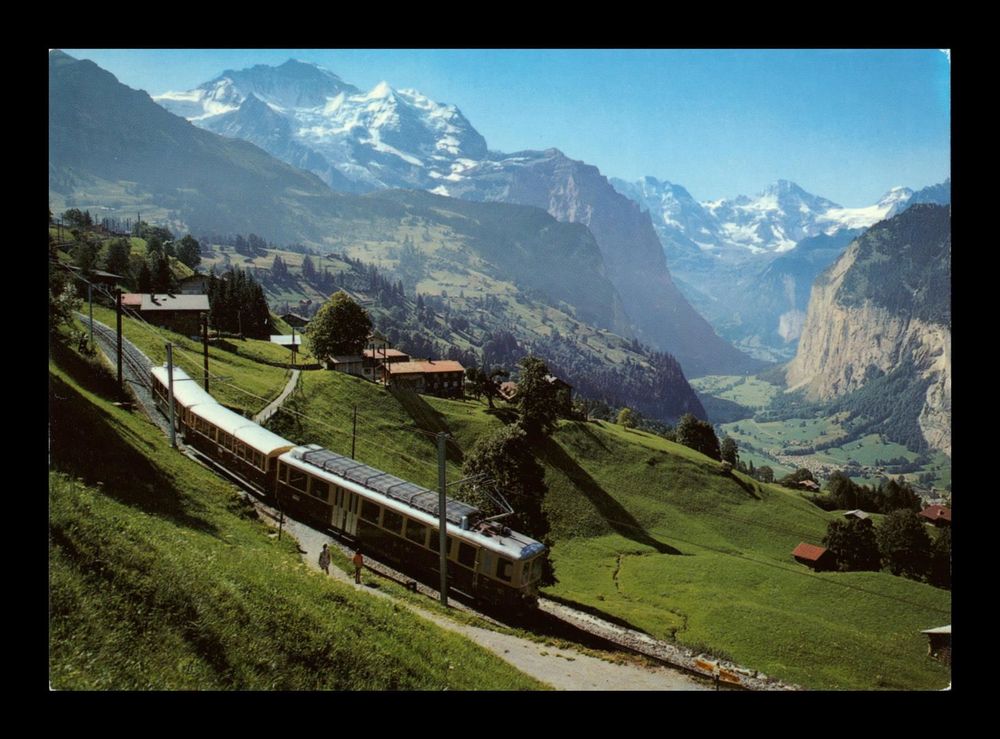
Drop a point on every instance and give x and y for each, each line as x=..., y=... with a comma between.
x=380, y=138
x=893, y=202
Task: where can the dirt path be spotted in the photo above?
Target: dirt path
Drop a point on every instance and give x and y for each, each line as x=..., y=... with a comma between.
x=563, y=669
x=276, y=403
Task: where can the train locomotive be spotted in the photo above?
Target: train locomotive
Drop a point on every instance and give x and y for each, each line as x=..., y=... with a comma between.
x=390, y=517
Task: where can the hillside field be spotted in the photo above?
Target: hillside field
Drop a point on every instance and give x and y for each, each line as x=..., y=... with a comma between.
x=651, y=533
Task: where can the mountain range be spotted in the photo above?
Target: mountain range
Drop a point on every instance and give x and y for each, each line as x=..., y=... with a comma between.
x=718, y=253
x=385, y=138
x=114, y=148
x=747, y=263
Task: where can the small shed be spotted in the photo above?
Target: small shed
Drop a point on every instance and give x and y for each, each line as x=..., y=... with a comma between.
x=195, y=284
x=811, y=485
x=352, y=364
x=857, y=513
x=939, y=643
x=292, y=342
x=294, y=319
x=818, y=558
x=938, y=515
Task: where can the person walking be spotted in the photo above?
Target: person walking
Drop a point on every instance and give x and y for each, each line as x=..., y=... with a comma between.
x=359, y=562
x=324, y=559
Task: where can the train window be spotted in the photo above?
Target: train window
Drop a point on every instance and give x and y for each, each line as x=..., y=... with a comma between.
x=241, y=450
x=258, y=460
x=297, y=480
x=487, y=562
x=227, y=440
x=432, y=542
x=392, y=521
x=320, y=489
x=369, y=511
x=505, y=569
x=416, y=532
x=536, y=568
x=283, y=472
x=466, y=554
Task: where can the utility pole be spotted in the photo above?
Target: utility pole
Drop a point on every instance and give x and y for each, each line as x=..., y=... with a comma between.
x=442, y=518
x=170, y=392
x=354, y=430
x=90, y=299
x=204, y=346
x=118, y=309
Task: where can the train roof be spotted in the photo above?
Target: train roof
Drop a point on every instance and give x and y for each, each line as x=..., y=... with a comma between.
x=187, y=391
x=411, y=499
x=260, y=439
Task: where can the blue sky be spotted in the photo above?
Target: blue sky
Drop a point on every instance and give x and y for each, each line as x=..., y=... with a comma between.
x=844, y=124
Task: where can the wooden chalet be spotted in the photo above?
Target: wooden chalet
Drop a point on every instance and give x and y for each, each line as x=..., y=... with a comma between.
x=180, y=313
x=938, y=515
x=442, y=377
x=817, y=558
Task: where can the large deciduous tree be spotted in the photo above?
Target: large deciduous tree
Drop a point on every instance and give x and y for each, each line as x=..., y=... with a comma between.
x=536, y=398
x=904, y=544
x=506, y=459
x=852, y=542
x=699, y=435
x=189, y=251
x=729, y=450
x=340, y=327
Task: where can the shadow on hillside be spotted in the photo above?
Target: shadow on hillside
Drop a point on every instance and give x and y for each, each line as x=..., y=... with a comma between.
x=84, y=444
x=619, y=519
x=589, y=432
x=749, y=488
x=427, y=419
x=507, y=416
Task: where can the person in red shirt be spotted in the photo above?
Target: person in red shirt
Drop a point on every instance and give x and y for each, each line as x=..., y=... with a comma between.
x=359, y=562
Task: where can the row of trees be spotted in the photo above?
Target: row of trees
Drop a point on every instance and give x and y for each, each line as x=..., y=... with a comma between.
x=900, y=543
x=238, y=305
x=843, y=493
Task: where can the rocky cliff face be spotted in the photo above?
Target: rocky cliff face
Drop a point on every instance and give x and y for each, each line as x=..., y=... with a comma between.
x=852, y=335
x=575, y=192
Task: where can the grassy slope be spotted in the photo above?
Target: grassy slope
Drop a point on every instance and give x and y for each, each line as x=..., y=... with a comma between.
x=707, y=559
x=648, y=532
x=239, y=369
x=161, y=579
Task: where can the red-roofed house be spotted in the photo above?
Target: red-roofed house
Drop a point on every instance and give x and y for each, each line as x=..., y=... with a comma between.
x=442, y=377
x=937, y=515
x=373, y=359
x=819, y=558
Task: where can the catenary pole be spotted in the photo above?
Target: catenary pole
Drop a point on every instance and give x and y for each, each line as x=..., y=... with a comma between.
x=442, y=438
x=170, y=393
